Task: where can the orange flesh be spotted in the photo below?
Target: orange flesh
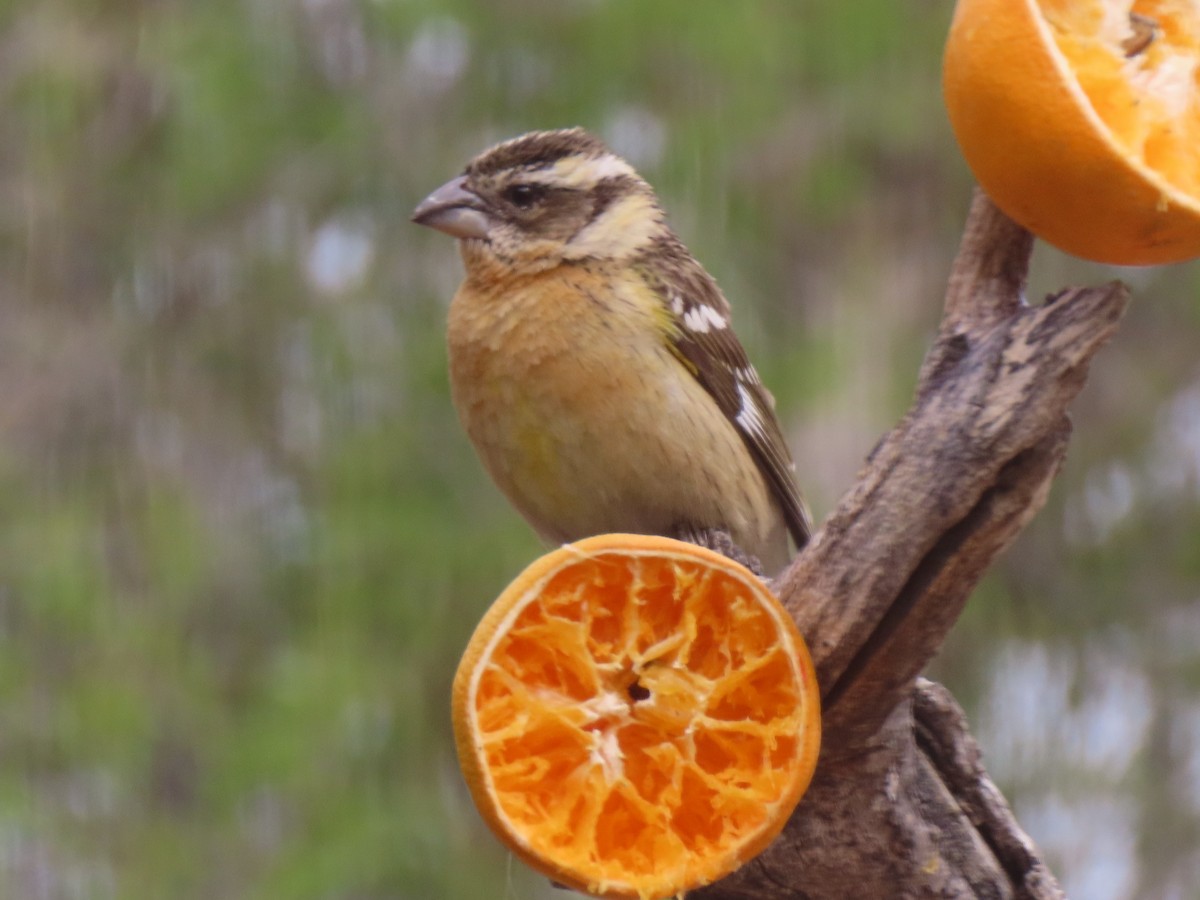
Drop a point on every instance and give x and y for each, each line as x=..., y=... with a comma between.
x=640, y=719
x=1141, y=77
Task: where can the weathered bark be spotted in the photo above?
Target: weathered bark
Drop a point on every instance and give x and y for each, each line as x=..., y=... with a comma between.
x=900, y=805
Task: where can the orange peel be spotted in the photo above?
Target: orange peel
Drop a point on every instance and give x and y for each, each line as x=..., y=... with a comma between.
x=1081, y=120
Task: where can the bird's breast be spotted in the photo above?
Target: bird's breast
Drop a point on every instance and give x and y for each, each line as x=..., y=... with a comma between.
x=537, y=369
x=587, y=421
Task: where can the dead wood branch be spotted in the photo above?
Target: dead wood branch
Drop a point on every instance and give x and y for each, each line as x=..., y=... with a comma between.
x=901, y=805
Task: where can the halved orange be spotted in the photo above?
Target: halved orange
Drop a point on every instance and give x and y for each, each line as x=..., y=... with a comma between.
x=1081, y=120
x=636, y=716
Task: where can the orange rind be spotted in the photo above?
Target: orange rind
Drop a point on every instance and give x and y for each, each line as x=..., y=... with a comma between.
x=1081, y=120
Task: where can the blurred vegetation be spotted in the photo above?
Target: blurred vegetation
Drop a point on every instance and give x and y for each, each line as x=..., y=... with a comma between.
x=242, y=539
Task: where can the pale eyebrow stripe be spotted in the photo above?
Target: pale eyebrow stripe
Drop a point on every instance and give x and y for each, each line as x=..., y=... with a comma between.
x=581, y=171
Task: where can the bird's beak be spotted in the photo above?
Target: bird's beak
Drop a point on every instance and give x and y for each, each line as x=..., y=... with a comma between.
x=455, y=210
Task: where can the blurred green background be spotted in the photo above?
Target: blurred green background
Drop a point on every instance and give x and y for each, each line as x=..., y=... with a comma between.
x=243, y=541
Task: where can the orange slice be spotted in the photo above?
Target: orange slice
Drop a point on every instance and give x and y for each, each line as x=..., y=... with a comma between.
x=636, y=716
x=1081, y=120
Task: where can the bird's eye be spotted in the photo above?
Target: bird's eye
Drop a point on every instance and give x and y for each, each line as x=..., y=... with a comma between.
x=522, y=196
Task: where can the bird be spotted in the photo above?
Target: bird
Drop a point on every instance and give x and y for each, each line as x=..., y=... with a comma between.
x=593, y=362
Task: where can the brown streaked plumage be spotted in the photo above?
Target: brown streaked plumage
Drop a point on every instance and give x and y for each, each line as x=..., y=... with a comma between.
x=592, y=357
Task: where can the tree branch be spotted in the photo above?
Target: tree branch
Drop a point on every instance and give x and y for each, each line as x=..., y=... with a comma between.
x=900, y=805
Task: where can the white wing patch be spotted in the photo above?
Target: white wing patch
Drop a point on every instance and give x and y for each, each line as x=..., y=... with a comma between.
x=749, y=375
x=703, y=318
x=749, y=417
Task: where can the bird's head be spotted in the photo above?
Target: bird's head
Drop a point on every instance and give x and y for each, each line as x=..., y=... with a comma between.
x=544, y=199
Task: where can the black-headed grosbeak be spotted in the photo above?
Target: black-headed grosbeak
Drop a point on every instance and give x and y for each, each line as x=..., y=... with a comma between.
x=592, y=360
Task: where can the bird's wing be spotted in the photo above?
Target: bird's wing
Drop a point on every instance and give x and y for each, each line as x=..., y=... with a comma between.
x=702, y=337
